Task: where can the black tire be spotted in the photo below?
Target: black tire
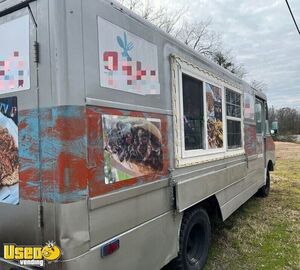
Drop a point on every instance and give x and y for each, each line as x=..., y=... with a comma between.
x=265, y=190
x=194, y=241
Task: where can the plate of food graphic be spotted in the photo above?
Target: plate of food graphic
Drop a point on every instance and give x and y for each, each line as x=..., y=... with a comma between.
x=9, y=163
x=10, y=125
x=139, y=144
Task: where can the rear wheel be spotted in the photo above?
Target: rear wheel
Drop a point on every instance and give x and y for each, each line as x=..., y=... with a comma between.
x=194, y=242
x=265, y=190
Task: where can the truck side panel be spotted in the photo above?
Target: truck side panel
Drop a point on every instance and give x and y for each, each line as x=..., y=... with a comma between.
x=21, y=223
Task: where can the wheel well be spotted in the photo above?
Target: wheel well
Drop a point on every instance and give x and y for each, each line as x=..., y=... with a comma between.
x=212, y=207
x=270, y=165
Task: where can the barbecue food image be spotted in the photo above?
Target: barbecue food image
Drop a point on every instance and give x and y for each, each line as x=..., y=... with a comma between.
x=133, y=148
x=215, y=133
x=214, y=116
x=8, y=159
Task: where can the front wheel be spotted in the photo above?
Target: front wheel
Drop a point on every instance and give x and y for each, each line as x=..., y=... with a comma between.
x=265, y=190
x=194, y=242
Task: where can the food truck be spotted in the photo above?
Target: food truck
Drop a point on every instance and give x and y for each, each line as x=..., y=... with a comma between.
x=118, y=143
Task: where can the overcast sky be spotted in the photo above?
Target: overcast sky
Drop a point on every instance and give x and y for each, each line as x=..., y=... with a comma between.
x=262, y=36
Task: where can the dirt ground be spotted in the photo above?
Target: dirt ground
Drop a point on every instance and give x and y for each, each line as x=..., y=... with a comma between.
x=287, y=151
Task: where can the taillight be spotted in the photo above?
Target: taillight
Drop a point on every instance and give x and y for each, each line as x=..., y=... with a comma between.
x=110, y=248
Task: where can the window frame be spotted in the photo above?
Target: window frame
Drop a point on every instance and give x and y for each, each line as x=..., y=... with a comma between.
x=190, y=153
x=205, y=151
x=263, y=116
x=190, y=157
x=232, y=118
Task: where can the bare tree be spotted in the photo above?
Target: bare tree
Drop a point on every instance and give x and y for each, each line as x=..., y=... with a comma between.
x=226, y=61
x=161, y=16
x=271, y=115
x=195, y=34
x=200, y=37
x=169, y=21
x=288, y=121
x=133, y=5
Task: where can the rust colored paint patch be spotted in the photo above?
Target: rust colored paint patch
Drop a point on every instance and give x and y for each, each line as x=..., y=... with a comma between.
x=64, y=151
x=61, y=157
x=29, y=184
x=29, y=155
x=250, y=139
x=22, y=125
x=75, y=128
x=270, y=145
x=53, y=152
x=71, y=173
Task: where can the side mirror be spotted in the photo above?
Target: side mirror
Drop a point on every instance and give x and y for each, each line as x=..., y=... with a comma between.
x=274, y=128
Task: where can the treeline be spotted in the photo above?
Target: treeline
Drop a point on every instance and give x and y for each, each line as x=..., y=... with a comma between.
x=288, y=120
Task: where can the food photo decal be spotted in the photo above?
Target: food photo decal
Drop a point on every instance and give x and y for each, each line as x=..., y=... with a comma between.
x=9, y=154
x=214, y=116
x=132, y=147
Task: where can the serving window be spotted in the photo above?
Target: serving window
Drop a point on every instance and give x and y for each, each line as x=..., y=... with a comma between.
x=208, y=118
x=234, y=118
x=193, y=117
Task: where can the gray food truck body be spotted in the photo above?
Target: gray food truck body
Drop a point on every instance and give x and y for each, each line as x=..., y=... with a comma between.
x=117, y=135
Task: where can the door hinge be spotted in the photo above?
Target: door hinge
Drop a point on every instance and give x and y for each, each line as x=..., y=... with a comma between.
x=36, y=52
x=172, y=184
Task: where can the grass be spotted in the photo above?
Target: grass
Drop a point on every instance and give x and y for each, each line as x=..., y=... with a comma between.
x=265, y=232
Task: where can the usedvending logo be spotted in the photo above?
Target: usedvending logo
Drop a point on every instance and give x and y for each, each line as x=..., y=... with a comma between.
x=32, y=255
